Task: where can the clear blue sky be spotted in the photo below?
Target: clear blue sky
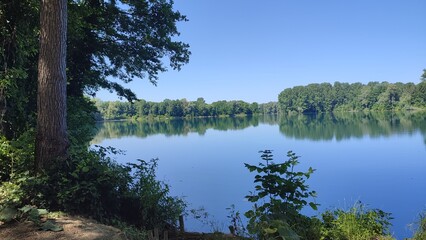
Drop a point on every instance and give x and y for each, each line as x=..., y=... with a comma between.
x=252, y=50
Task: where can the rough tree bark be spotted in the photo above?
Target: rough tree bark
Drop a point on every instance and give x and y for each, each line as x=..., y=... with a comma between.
x=51, y=139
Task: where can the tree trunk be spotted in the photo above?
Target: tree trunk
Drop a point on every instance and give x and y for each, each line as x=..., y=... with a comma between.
x=51, y=140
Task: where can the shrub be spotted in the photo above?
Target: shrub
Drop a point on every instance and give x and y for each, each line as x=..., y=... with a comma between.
x=16, y=156
x=357, y=223
x=88, y=182
x=92, y=184
x=281, y=192
x=420, y=233
x=16, y=161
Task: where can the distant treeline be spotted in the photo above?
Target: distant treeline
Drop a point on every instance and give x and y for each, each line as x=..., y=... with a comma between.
x=181, y=108
x=313, y=98
x=376, y=96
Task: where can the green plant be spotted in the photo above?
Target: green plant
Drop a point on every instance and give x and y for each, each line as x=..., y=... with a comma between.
x=357, y=223
x=11, y=195
x=420, y=233
x=237, y=227
x=34, y=214
x=29, y=213
x=131, y=232
x=15, y=168
x=157, y=208
x=92, y=184
x=281, y=192
x=16, y=156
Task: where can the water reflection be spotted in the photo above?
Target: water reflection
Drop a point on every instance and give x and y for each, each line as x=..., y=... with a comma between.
x=171, y=127
x=342, y=126
x=317, y=127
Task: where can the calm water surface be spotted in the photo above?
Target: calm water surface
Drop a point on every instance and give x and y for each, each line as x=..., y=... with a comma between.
x=378, y=159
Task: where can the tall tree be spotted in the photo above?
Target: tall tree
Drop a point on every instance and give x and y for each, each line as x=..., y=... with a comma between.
x=51, y=140
x=121, y=40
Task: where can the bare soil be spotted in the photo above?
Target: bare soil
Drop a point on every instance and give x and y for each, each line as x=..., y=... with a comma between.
x=75, y=228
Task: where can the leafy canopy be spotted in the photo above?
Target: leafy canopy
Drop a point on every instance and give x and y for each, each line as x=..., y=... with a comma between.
x=124, y=40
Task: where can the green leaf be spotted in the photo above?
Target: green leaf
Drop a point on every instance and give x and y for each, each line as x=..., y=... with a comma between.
x=42, y=211
x=313, y=206
x=25, y=208
x=7, y=214
x=50, y=226
x=270, y=230
x=33, y=215
x=251, y=168
x=249, y=214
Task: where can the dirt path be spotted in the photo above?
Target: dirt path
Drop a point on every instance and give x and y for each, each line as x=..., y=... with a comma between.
x=75, y=228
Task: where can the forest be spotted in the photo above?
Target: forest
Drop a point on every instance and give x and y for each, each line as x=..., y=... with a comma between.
x=375, y=96
x=313, y=98
x=109, y=110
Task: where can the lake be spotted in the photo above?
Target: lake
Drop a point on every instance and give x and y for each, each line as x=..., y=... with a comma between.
x=376, y=158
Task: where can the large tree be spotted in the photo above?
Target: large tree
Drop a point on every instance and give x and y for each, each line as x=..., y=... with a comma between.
x=108, y=43
x=51, y=140
x=111, y=42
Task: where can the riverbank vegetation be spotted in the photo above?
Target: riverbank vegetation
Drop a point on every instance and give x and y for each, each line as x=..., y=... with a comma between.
x=281, y=192
x=313, y=98
x=113, y=110
x=374, y=96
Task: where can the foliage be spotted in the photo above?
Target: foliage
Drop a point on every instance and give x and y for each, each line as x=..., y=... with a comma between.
x=33, y=214
x=92, y=184
x=175, y=108
x=358, y=223
x=420, y=233
x=281, y=192
x=29, y=213
x=89, y=183
x=237, y=227
x=18, y=61
x=16, y=162
x=156, y=207
x=125, y=40
x=11, y=195
x=376, y=96
x=81, y=122
x=16, y=156
x=131, y=232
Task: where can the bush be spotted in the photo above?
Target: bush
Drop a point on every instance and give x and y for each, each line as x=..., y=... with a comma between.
x=420, y=233
x=88, y=182
x=92, y=184
x=357, y=223
x=280, y=194
x=16, y=161
x=16, y=156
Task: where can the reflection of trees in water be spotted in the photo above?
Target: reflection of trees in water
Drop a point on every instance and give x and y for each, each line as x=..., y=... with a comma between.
x=337, y=126
x=346, y=125
x=177, y=127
